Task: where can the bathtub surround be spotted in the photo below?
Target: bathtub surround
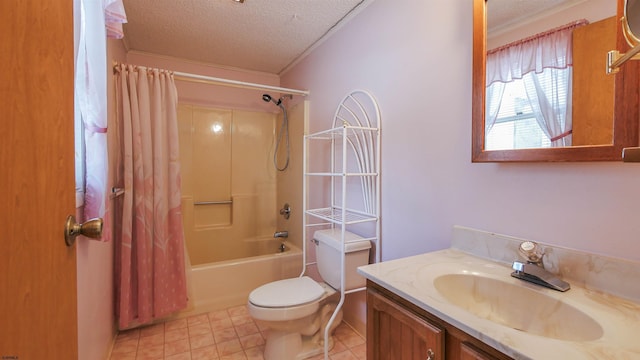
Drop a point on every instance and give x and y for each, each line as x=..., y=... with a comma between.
x=229, y=183
x=149, y=263
x=288, y=182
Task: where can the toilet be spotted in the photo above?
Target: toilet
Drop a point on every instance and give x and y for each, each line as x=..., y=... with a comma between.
x=296, y=311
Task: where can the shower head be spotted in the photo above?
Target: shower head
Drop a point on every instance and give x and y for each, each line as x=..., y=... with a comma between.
x=267, y=98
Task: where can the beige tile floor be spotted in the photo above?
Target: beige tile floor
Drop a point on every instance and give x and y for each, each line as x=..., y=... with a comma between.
x=220, y=335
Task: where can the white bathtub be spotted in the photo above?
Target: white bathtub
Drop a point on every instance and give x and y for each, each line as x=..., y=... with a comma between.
x=225, y=284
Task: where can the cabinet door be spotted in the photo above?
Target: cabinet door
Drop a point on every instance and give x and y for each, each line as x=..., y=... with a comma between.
x=395, y=333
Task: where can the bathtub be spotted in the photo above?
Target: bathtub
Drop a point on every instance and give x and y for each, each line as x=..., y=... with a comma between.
x=228, y=283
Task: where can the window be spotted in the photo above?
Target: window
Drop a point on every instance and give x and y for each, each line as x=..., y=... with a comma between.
x=516, y=126
x=529, y=91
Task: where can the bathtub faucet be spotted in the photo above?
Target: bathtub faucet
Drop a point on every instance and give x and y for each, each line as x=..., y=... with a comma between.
x=281, y=234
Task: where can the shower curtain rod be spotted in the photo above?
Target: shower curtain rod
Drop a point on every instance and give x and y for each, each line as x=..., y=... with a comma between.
x=234, y=83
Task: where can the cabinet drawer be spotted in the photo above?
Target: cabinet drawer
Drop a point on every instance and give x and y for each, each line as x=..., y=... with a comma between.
x=470, y=352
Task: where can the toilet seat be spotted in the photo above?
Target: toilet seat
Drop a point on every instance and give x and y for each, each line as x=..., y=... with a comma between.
x=286, y=293
x=286, y=300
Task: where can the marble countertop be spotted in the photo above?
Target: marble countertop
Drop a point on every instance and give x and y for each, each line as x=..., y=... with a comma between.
x=412, y=278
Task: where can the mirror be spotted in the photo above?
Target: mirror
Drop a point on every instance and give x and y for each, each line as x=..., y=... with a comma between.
x=631, y=22
x=630, y=30
x=625, y=112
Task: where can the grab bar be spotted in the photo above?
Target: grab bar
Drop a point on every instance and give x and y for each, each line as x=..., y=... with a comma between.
x=213, y=202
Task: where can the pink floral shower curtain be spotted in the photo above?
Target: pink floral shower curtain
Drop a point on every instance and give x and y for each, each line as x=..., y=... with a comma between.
x=150, y=272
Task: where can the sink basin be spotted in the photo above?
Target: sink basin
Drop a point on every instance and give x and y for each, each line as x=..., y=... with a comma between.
x=518, y=307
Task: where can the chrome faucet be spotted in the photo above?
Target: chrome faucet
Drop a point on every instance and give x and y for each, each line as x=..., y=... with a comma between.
x=533, y=270
x=281, y=234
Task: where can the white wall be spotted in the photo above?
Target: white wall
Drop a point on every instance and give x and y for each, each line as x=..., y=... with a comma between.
x=415, y=57
x=96, y=321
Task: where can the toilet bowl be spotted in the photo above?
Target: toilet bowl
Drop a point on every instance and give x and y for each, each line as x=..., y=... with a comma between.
x=296, y=311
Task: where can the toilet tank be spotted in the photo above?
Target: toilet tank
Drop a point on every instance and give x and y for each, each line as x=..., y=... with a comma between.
x=328, y=252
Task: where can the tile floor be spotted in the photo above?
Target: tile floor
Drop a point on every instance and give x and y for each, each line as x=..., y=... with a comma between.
x=226, y=334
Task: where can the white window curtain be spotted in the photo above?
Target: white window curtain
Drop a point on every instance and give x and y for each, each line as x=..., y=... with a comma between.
x=550, y=98
x=544, y=63
x=495, y=92
x=98, y=19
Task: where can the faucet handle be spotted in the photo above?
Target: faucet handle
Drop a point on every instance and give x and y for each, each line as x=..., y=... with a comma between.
x=531, y=251
x=286, y=211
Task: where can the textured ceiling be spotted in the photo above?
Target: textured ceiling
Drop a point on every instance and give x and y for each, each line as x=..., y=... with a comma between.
x=256, y=35
x=268, y=35
x=504, y=14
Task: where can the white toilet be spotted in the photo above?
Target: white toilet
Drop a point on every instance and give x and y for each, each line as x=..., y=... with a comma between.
x=297, y=310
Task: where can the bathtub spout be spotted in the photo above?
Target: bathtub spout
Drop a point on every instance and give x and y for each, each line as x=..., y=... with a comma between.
x=281, y=234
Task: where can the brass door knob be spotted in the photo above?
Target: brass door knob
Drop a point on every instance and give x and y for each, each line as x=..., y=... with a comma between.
x=90, y=228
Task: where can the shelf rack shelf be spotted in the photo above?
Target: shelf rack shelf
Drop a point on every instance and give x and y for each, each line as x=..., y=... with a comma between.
x=335, y=216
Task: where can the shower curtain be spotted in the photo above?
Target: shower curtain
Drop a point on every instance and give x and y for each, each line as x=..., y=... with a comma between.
x=150, y=272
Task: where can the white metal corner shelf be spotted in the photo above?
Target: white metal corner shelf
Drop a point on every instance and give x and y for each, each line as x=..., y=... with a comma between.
x=343, y=177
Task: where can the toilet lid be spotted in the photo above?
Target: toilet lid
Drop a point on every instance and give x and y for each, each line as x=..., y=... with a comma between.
x=286, y=293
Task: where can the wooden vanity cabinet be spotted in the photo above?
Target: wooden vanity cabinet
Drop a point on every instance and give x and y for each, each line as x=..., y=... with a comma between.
x=399, y=330
x=470, y=352
x=394, y=332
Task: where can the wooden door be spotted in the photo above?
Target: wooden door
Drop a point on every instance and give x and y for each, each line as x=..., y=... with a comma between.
x=38, y=315
x=395, y=333
x=593, y=90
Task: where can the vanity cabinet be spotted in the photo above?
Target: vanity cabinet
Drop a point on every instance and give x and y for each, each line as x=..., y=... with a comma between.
x=394, y=332
x=400, y=330
x=470, y=352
